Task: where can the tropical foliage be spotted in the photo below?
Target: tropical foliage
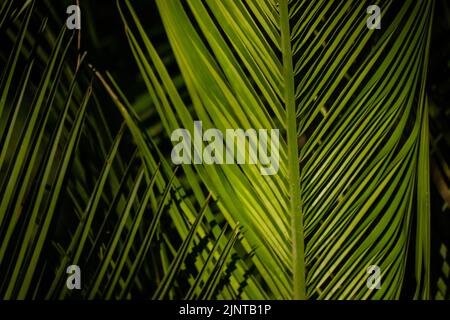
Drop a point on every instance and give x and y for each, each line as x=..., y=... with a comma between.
x=87, y=178
x=77, y=191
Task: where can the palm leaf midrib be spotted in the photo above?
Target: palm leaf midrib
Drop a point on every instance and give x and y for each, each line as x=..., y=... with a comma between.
x=298, y=247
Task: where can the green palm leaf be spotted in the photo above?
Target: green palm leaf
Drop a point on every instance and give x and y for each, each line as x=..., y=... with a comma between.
x=353, y=183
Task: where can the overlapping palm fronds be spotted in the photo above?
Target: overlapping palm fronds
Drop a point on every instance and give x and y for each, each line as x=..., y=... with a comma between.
x=353, y=185
x=76, y=190
x=87, y=180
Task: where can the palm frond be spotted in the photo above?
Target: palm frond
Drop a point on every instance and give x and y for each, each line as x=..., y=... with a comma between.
x=353, y=180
